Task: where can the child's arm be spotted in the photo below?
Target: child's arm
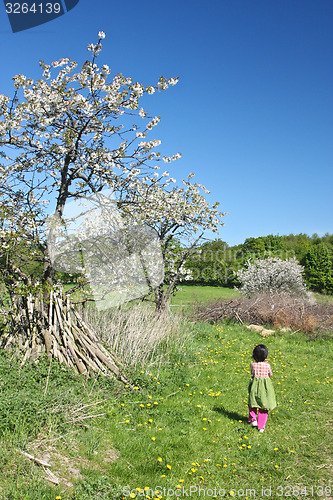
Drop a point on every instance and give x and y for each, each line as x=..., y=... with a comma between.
x=270, y=373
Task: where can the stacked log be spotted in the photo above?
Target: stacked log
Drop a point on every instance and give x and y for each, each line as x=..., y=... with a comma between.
x=55, y=326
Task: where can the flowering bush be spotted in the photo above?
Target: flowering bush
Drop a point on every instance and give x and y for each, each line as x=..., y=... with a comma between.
x=272, y=275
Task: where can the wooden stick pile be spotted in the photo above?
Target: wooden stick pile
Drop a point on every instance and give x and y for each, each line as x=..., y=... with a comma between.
x=55, y=326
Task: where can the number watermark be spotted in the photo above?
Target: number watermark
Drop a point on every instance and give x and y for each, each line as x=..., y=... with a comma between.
x=27, y=14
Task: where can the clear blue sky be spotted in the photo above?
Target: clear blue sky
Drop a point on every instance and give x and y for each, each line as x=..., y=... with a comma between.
x=252, y=113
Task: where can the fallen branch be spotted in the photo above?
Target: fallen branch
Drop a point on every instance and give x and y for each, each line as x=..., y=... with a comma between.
x=35, y=459
x=50, y=476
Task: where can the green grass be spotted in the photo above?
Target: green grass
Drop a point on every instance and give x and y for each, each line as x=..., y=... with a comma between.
x=186, y=426
x=188, y=294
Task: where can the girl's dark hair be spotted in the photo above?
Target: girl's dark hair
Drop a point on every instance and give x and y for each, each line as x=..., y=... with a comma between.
x=260, y=353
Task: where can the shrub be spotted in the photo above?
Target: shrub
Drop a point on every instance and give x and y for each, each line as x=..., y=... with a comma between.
x=272, y=275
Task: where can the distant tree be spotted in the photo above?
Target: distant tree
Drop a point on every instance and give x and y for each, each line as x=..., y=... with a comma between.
x=297, y=245
x=212, y=263
x=318, y=268
x=272, y=275
x=255, y=246
x=264, y=246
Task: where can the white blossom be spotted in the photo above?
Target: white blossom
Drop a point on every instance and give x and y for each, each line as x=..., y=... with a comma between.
x=272, y=275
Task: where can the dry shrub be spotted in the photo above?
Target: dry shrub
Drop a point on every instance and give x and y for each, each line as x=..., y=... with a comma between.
x=136, y=333
x=276, y=310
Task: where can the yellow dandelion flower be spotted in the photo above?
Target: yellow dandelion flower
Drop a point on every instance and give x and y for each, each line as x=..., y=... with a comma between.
x=169, y=467
x=160, y=459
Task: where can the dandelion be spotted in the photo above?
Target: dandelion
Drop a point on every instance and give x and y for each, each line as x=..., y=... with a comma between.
x=160, y=459
x=169, y=467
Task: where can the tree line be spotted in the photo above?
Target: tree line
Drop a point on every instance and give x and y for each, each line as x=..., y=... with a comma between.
x=216, y=263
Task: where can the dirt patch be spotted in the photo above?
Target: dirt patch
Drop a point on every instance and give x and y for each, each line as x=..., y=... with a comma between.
x=66, y=466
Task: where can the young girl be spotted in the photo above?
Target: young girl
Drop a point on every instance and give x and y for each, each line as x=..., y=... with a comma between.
x=261, y=391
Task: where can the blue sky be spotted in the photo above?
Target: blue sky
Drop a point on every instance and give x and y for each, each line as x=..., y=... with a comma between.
x=252, y=113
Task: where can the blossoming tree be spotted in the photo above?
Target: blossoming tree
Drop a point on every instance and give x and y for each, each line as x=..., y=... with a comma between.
x=73, y=133
x=175, y=213
x=61, y=138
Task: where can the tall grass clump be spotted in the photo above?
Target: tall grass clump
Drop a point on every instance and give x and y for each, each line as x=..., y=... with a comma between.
x=137, y=334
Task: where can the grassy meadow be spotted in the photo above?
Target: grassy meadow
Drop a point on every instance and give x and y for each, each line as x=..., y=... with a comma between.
x=189, y=294
x=181, y=431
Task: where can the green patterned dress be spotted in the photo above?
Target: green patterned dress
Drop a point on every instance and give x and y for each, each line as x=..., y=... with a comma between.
x=261, y=390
